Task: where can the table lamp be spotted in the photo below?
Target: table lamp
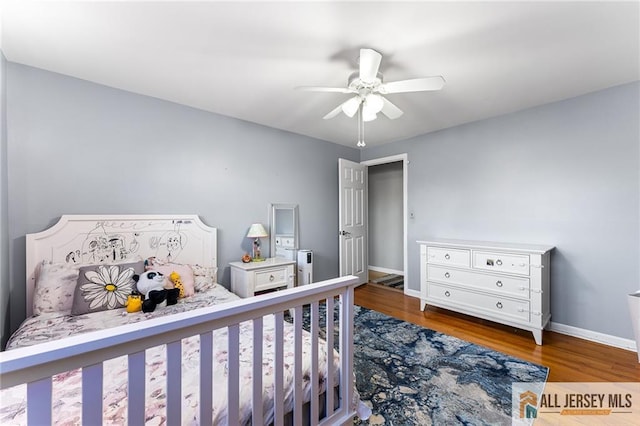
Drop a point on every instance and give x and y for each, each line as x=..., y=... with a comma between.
x=257, y=231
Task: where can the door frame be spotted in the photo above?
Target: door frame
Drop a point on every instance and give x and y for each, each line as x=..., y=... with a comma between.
x=405, y=179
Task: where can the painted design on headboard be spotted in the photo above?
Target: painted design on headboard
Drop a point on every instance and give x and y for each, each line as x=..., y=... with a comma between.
x=116, y=241
x=168, y=245
x=105, y=248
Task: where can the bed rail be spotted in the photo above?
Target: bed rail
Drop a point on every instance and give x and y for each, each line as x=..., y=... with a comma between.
x=36, y=365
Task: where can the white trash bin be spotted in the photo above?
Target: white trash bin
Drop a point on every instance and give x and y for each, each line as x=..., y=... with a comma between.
x=634, y=310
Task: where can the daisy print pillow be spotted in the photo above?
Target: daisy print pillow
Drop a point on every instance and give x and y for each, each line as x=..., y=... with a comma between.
x=102, y=287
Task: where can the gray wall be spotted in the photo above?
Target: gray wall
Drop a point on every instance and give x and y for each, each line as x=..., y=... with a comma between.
x=80, y=148
x=566, y=174
x=385, y=216
x=4, y=223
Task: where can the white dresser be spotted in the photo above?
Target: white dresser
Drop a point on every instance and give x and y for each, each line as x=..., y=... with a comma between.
x=249, y=278
x=501, y=282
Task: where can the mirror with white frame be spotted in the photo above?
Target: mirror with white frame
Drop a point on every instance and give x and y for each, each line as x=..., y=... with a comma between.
x=284, y=229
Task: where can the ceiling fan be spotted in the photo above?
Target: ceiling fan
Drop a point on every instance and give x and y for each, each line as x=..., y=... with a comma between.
x=368, y=86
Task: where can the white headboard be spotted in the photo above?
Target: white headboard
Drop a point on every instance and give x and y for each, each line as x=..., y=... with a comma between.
x=105, y=238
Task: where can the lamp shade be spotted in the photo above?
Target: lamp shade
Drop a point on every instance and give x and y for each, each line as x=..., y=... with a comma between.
x=257, y=231
x=350, y=107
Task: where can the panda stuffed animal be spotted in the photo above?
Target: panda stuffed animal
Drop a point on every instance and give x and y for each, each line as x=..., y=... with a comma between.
x=151, y=285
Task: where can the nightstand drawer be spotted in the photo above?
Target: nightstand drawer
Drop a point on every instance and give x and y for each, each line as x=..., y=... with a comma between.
x=270, y=278
x=450, y=257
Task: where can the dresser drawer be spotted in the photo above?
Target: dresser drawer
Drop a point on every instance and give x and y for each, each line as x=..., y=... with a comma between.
x=451, y=257
x=511, y=286
x=501, y=262
x=494, y=305
x=270, y=278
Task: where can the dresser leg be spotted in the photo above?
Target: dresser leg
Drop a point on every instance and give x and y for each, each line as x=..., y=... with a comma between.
x=423, y=305
x=537, y=335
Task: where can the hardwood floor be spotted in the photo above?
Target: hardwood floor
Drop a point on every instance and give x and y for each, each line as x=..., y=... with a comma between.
x=569, y=359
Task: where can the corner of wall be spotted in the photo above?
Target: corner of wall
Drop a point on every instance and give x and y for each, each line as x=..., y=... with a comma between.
x=4, y=235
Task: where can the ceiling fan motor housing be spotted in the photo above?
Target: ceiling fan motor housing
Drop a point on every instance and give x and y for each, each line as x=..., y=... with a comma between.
x=357, y=85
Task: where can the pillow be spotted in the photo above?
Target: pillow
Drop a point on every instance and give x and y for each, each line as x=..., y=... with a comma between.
x=204, y=278
x=204, y=271
x=102, y=287
x=185, y=271
x=55, y=285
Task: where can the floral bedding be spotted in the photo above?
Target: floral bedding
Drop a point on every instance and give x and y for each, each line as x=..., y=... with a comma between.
x=67, y=386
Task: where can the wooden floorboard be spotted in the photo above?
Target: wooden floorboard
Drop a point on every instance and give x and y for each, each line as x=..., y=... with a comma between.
x=569, y=359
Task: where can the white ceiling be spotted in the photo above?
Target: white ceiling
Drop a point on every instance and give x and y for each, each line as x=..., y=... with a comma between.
x=244, y=59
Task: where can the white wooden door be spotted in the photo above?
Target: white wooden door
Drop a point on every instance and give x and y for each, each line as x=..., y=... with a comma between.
x=352, y=202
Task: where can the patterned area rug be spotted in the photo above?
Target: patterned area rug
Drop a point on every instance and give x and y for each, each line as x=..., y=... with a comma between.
x=410, y=375
x=391, y=280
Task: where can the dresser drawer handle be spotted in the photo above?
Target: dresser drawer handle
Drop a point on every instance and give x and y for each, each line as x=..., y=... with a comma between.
x=498, y=262
x=271, y=278
x=447, y=275
x=499, y=305
x=446, y=256
x=499, y=283
x=446, y=293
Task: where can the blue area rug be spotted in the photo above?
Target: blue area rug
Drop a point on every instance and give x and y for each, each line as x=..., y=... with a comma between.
x=410, y=375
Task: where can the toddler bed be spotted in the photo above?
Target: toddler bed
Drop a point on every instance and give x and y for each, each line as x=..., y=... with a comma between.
x=212, y=358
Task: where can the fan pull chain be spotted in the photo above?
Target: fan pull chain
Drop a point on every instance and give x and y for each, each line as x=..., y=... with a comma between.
x=360, y=143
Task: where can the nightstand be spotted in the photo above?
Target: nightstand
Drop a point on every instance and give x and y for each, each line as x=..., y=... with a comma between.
x=249, y=278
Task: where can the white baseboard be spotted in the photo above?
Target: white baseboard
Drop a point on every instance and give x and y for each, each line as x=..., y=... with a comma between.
x=385, y=270
x=606, y=339
x=412, y=293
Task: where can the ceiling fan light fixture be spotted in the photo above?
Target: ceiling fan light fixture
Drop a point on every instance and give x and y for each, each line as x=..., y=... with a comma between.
x=368, y=115
x=350, y=107
x=373, y=103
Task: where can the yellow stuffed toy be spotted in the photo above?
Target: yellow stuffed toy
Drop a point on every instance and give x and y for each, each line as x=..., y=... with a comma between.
x=134, y=302
x=177, y=282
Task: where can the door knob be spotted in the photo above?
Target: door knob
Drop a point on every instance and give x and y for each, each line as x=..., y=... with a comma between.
x=345, y=233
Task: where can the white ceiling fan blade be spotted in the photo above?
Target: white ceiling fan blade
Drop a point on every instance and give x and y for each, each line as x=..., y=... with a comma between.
x=390, y=110
x=325, y=89
x=413, y=85
x=350, y=107
x=333, y=112
x=369, y=65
